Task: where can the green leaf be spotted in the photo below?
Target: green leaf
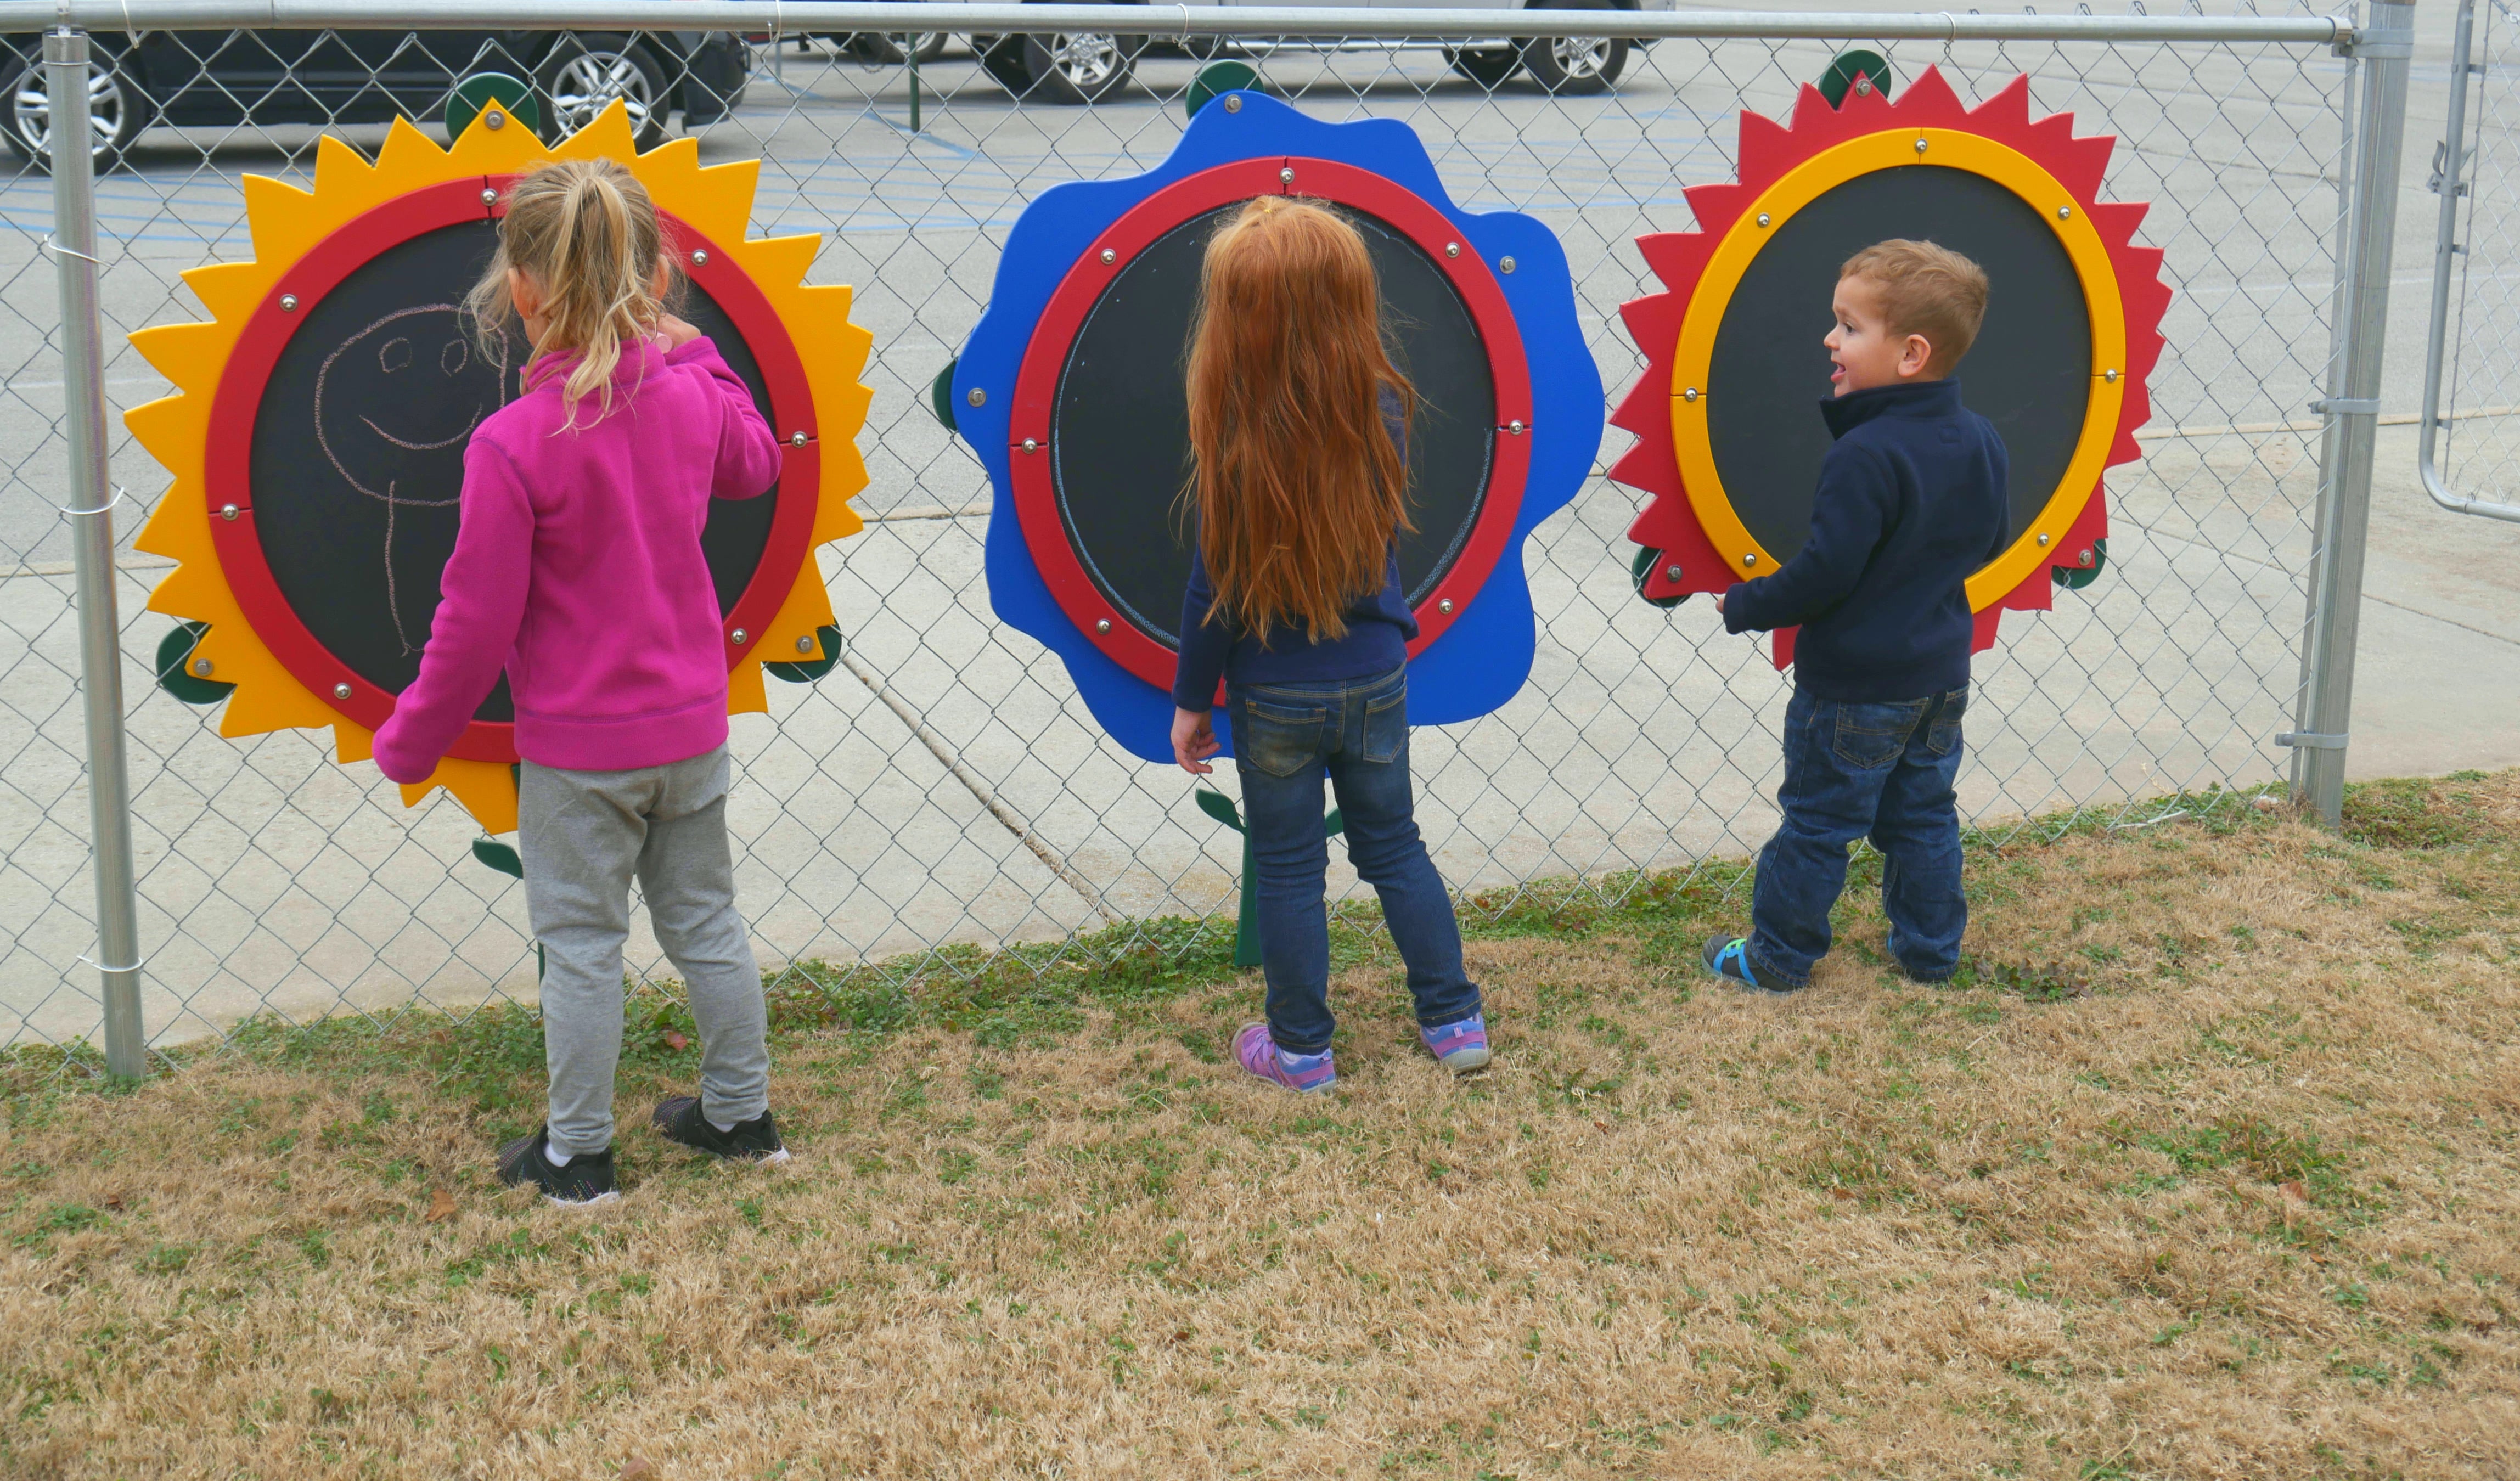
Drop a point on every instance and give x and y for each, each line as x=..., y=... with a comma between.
x=1221, y=807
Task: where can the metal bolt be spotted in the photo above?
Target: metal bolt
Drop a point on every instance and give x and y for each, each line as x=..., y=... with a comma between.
x=288, y=303
x=739, y=637
x=1110, y=256
x=1451, y=248
x=495, y=121
x=1921, y=146
x=1286, y=176
x=797, y=438
x=1505, y=265
x=1102, y=625
x=341, y=692
x=1691, y=394
x=1444, y=607
x=1751, y=560
x=1670, y=574
x=977, y=396
x=2110, y=376
x=699, y=256
x=2064, y=213
x=489, y=197
x=2087, y=558
x=1863, y=84
x=202, y=667
x=1031, y=446
x=1233, y=105
x=2043, y=538
x=804, y=645
x=227, y=511
x=1763, y=218
x=1514, y=427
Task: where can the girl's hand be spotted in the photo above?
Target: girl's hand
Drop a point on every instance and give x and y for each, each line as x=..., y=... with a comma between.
x=676, y=332
x=1194, y=740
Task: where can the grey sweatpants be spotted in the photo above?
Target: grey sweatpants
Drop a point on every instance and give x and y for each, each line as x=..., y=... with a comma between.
x=583, y=835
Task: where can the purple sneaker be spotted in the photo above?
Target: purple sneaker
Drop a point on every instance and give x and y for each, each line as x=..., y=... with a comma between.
x=1304, y=1074
x=1460, y=1047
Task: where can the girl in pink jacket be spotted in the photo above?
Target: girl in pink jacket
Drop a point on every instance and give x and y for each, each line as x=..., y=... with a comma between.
x=578, y=573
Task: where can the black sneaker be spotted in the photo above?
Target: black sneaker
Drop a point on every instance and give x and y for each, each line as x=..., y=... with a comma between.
x=586, y=1178
x=678, y=1118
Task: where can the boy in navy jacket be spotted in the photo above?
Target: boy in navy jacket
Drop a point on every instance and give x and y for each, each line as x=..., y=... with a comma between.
x=1912, y=502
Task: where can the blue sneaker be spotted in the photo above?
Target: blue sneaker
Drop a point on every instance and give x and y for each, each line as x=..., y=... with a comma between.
x=1460, y=1047
x=1728, y=958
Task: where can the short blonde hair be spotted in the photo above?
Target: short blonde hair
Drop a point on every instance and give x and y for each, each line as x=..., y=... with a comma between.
x=1925, y=290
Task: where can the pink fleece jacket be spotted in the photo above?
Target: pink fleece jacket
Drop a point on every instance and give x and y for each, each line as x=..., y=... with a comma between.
x=577, y=568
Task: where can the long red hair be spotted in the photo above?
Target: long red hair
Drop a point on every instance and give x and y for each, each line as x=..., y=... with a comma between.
x=1299, y=488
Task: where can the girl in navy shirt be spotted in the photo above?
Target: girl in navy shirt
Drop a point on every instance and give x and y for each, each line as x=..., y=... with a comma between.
x=1294, y=602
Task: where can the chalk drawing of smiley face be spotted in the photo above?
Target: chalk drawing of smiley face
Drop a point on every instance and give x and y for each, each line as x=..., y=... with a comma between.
x=394, y=406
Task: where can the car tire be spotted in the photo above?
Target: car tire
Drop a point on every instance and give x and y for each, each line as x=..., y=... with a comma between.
x=582, y=75
x=116, y=112
x=1488, y=67
x=1067, y=68
x=887, y=50
x=1572, y=66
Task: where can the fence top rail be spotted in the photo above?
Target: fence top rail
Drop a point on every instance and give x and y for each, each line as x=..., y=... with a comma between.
x=789, y=17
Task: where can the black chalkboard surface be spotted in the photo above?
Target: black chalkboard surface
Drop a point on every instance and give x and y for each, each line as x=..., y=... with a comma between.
x=1120, y=426
x=2030, y=371
x=357, y=460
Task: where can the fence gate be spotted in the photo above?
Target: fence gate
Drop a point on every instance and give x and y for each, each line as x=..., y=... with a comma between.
x=2471, y=432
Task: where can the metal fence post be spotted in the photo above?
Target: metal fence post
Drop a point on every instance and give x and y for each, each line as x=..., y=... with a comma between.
x=2383, y=48
x=2439, y=352
x=91, y=510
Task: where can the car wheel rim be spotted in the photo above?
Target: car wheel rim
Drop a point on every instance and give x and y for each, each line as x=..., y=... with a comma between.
x=1086, y=60
x=590, y=82
x=1581, y=56
x=32, y=109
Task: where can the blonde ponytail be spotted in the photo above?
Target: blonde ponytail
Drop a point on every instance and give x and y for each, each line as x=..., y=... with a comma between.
x=585, y=231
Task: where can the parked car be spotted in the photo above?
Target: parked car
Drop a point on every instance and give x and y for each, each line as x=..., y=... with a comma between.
x=223, y=79
x=1088, y=66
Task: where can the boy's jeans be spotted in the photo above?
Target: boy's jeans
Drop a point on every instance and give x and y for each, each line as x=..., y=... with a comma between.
x=584, y=835
x=1853, y=770
x=1285, y=735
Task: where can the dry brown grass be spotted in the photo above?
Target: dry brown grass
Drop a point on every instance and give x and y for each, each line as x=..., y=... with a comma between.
x=2246, y=1206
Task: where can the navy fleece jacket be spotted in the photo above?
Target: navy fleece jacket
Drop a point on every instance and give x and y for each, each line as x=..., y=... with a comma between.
x=1912, y=501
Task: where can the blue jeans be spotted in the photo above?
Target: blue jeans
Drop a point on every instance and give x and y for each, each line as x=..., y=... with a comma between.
x=1285, y=737
x=1856, y=771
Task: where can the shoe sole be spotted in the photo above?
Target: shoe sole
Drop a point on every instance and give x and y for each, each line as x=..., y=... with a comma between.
x=557, y=1201
x=756, y=1159
x=1466, y=1061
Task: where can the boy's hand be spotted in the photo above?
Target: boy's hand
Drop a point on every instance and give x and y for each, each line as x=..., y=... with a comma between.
x=1194, y=740
x=1719, y=601
x=677, y=333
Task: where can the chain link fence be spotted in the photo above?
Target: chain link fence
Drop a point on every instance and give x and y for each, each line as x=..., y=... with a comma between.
x=944, y=790
x=2471, y=435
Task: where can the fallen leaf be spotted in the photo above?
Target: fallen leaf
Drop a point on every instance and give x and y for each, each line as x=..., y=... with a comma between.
x=113, y=1201
x=637, y=1468
x=677, y=1041
x=1842, y=1194
x=1602, y=1126
x=442, y=1206
x=2295, y=1196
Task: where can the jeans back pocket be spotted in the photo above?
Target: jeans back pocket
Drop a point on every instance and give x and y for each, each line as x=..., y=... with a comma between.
x=1944, y=733
x=1873, y=735
x=1386, y=725
x=1280, y=739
